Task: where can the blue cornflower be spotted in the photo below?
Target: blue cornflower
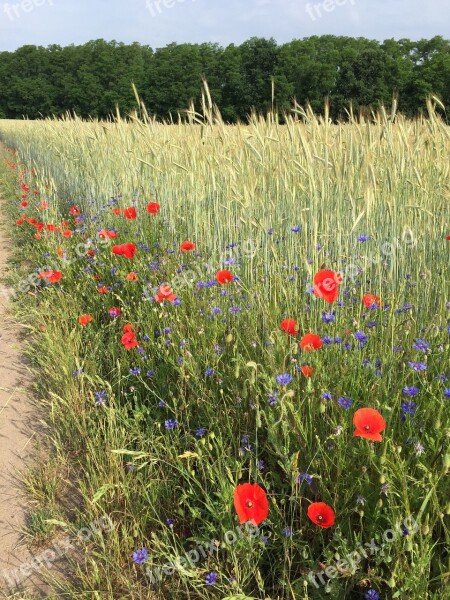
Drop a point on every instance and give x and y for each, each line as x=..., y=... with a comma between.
x=284, y=378
x=100, y=397
x=337, y=340
x=417, y=366
x=345, y=402
x=200, y=432
x=296, y=229
x=371, y=324
x=272, y=398
x=261, y=465
x=140, y=556
x=327, y=340
x=216, y=310
x=166, y=330
x=77, y=372
x=235, y=310
x=135, y=370
x=447, y=392
x=170, y=424
x=150, y=373
x=363, y=238
x=365, y=362
x=169, y=522
x=421, y=345
x=209, y=372
x=211, y=578
x=371, y=595
x=411, y=391
x=161, y=403
x=287, y=532
x=327, y=396
x=361, y=337
x=347, y=346
x=305, y=477
x=408, y=408
x=328, y=317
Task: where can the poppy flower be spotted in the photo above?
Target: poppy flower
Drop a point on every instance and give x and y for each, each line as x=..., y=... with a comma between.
x=132, y=277
x=321, y=514
x=51, y=276
x=127, y=250
x=43, y=204
x=116, y=211
x=130, y=213
x=103, y=290
x=250, y=502
x=448, y=237
x=85, y=319
x=50, y=227
x=19, y=222
x=186, y=246
x=369, y=424
x=67, y=233
x=165, y=293
x=153, y=208
x=326, y=285
x=308, y=371
x=104, y=233
x=129, y=340
x=289, y=326
x=23, y=204
x=128, y=328
x=60, y=252
x=224, y=277
x=75, y=211
x=370, y=300
x=311, y=341
x=114, y=312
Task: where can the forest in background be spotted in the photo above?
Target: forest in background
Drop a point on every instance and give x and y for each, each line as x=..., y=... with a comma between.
x=94, y=78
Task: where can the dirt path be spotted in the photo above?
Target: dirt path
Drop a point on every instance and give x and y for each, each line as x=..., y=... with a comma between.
x=16, y=446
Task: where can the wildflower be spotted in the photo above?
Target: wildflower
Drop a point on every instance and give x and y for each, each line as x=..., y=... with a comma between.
x=327, y=396
x=363, y=238
x=369, y=424
x=421, y=345
x=360, y=500
x=127, y=250
x=370, y=301
x=224, y=277
x=130, y=213
x=150, y=373
x=140, y=556
x=305, y=477
x=211, y=578
x=51, y=276
x=129, y=340
x=418, y=367
x=200, y=432
x=287, y=532
x=345, y=402
x=85, y=319
x=187, y=246
x=165, y=293
x=311, y=341
x=209, y=372
x=100, y=397
x=170, y=424
x=447, y=392
x=284, y=378
x=371, y=595
x=216, y=310
x=384, y=489
x=272, y=398
x=135, y=370
x=326, y=285
x=307, y=371
x=289, y=326
x=296, y=229
x=321, y=514
x=328, y=317
x=114, y=312
x=132, y=276
x=250, y=502
x=361, y=337
x=153, y=208
x=419, y=448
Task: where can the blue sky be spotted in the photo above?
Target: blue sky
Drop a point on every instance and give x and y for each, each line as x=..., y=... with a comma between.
x=159, y=22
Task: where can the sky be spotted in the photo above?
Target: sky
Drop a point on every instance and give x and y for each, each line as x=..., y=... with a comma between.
x=157, y=23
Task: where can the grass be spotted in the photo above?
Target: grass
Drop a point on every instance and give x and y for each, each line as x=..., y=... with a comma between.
x=271, y=203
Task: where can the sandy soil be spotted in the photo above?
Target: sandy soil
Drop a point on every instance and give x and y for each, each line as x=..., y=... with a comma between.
x=18, y=417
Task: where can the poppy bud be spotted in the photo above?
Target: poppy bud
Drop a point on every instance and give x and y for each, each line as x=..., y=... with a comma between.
x=382, y=479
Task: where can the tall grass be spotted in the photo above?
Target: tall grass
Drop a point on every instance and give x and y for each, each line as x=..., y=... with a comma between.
x=238, y=192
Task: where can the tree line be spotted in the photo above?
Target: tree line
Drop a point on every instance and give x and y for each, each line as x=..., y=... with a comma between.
x=94, y=78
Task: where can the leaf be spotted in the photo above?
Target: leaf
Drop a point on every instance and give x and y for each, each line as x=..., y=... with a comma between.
x=101, y=492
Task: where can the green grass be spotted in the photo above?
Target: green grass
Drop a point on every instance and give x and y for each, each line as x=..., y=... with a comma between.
x=219, y=185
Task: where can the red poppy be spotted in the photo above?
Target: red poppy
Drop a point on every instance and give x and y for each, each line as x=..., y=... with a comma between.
x=326, y=285
x=25, y=187
x=19, y=222
x=116, y=211
x=448, y=237
x=50, y=227
x=369, y=424
x=311, y=341
x=85, y=319
x=289, y=326
x=51, y=276
x=250, y=502
x=132, y=276
x=165, y=293
x=74, y=210
x=128, y=328
x=224, y=277
x=308, y=371
x=43, y=204
x=186, y=246
x=23, y=204
x=104, y=233
x=127, y=250
x=321, y=514
x=153, y=208
x=103, y=290
x=130, y=213
x=67, y=233
x=370, y=300
x=129, y=340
